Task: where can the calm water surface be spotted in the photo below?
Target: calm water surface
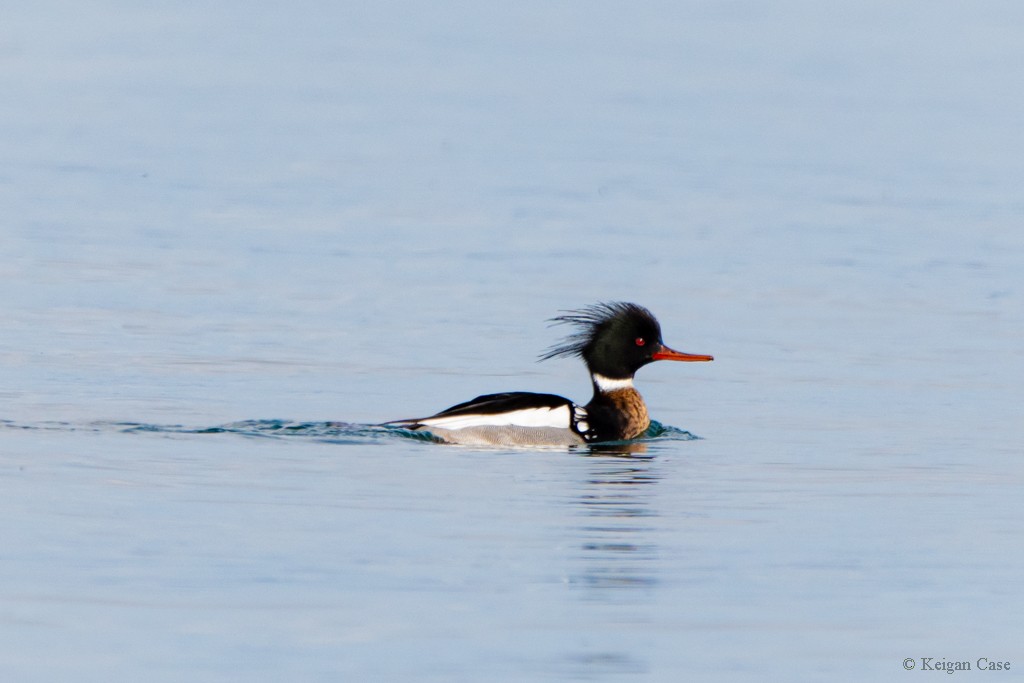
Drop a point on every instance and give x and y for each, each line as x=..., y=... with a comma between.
x=235, y=238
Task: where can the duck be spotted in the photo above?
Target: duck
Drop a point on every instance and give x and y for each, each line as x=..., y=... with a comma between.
x=614, y=340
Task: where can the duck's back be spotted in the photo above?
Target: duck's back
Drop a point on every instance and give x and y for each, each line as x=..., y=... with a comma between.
x=516, y=418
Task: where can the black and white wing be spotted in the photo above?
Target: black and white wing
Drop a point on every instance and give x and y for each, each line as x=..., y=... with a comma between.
x=510, y=409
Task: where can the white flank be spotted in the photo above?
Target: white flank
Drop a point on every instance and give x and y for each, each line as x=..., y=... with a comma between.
x=528, y=417
x=607, y=384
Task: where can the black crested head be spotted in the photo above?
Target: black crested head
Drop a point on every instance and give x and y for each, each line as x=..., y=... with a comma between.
x=614, y=339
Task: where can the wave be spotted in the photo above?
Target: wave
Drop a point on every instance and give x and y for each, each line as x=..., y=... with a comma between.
x=330, y=432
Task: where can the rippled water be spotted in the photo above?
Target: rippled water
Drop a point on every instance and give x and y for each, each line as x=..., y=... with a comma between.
x=334, y=432
x=236, y=238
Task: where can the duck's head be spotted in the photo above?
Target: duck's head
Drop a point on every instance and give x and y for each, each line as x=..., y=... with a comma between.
x=615, y=340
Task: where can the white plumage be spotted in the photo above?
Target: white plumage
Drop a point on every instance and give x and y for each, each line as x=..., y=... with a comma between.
x=607, y=384
x=557, y=417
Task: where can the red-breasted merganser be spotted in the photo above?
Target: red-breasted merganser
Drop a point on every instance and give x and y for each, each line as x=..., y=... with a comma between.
x=615, y=340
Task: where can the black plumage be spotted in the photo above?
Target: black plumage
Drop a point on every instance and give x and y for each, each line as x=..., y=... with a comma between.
x=614, y=339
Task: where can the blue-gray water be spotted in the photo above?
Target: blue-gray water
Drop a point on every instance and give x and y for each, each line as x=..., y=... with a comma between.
x=236, y=236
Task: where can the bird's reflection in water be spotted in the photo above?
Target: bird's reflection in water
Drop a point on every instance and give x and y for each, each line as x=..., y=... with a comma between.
x=617, y=550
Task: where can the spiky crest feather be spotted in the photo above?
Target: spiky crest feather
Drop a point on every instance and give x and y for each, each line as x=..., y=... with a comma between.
x=590, y=321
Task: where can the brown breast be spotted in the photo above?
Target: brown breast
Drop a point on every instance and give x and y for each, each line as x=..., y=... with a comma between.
x=631, y=405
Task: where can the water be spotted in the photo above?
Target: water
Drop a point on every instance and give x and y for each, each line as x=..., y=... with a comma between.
x=234, y=238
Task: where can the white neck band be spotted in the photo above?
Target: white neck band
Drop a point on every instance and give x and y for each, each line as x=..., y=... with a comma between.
x=606, y=384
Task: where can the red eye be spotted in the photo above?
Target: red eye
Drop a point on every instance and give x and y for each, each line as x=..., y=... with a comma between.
x=640, y=341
